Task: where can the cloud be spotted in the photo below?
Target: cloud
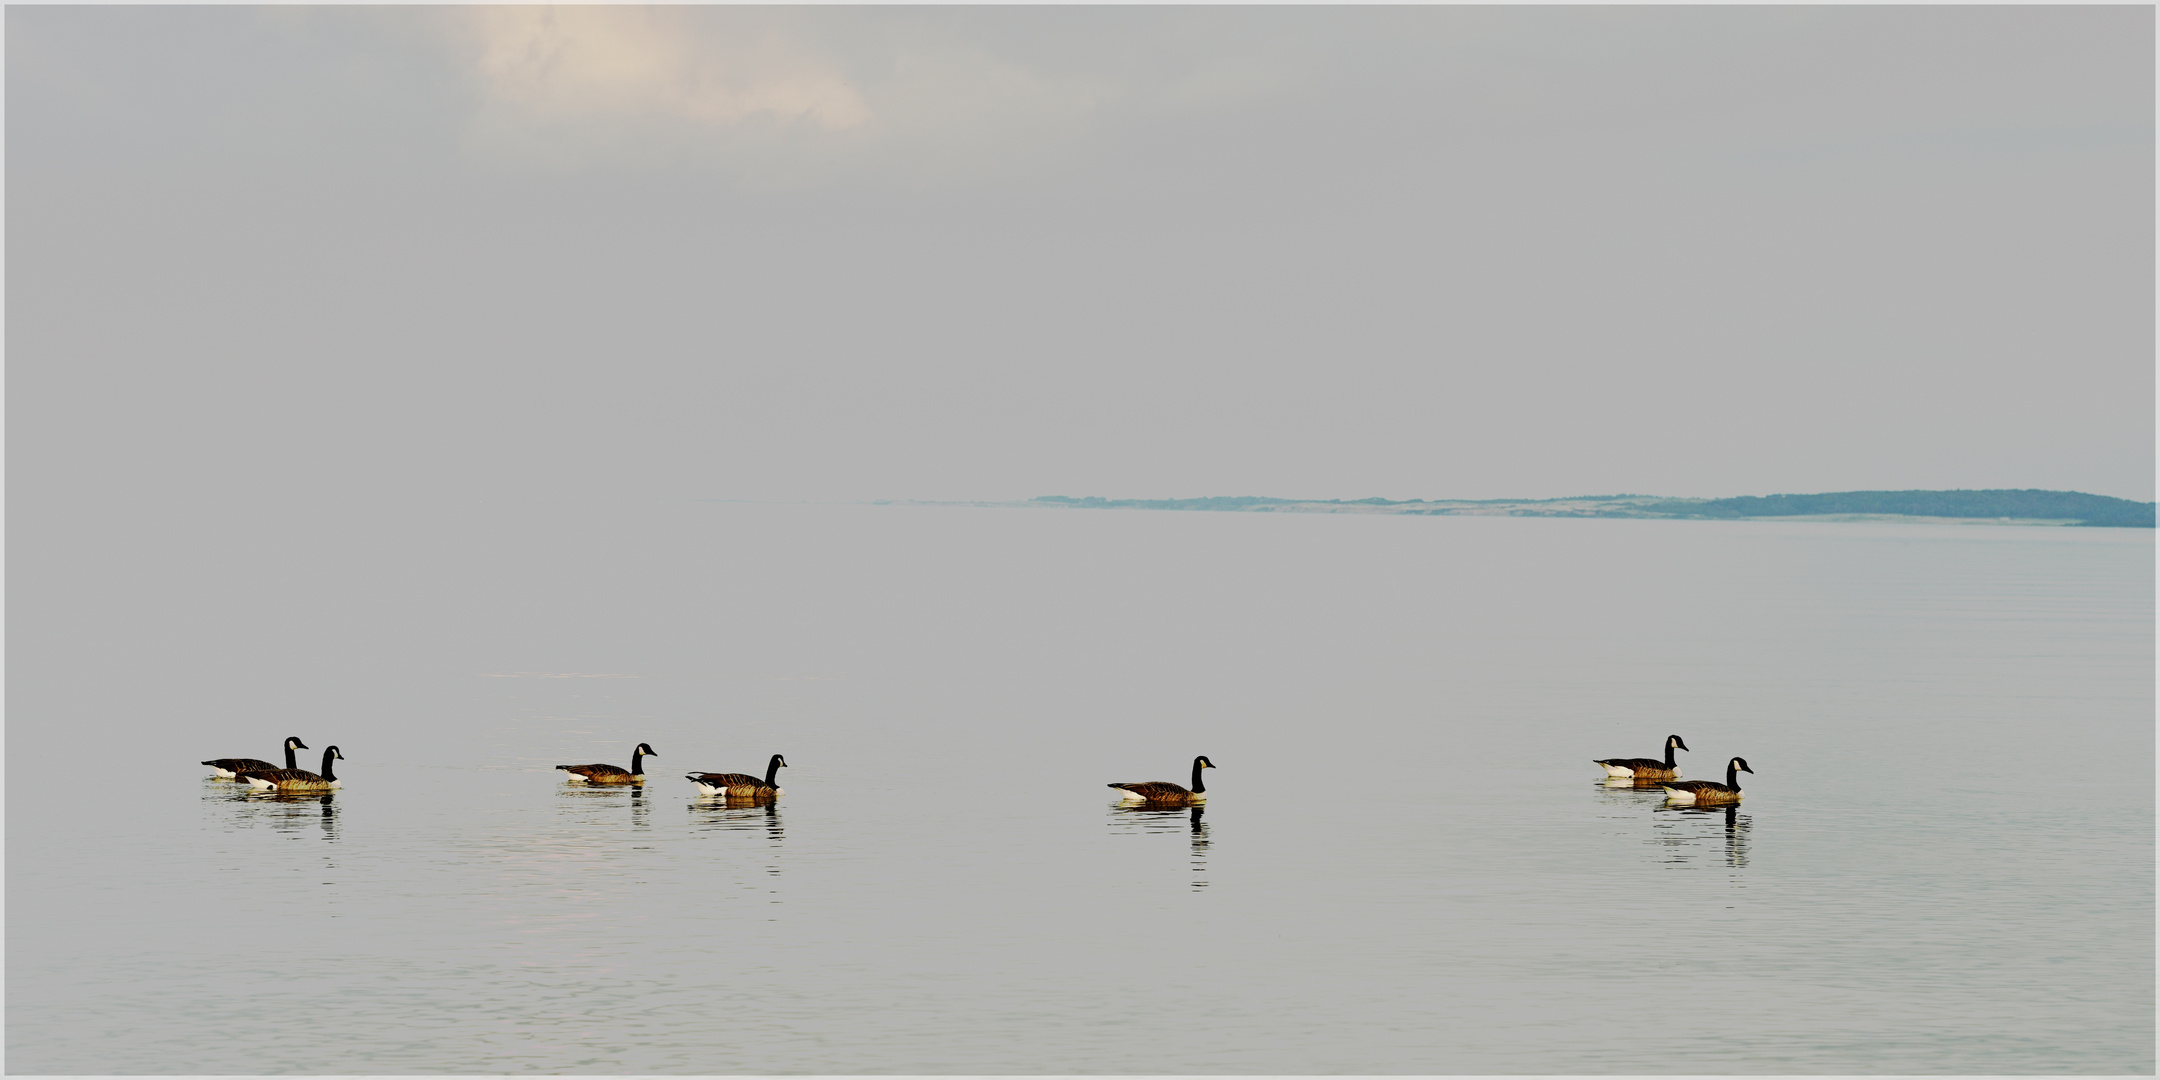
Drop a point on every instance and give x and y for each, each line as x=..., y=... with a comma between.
x=781, y=94
x=597, y=65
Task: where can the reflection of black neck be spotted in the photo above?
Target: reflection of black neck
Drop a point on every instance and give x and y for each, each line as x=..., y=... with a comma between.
x=1197, y=813
x=1197, y=786
x=1732, y=816
x=772, y=771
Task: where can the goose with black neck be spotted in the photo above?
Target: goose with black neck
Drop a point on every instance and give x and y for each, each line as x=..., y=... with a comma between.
x=1163, y=791
x=1703, y=792
x=230, y=768
x=297, y=779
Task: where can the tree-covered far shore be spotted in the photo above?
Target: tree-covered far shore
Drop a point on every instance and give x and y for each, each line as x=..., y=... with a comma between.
x=2026, y=504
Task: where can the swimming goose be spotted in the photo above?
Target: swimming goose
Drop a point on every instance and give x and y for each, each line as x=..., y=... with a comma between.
x=611, y=774
x=1163, y=791
x=230, y=767
x=1709, y=791
x=741, y=785
x=1642, y=768
x=296, y=779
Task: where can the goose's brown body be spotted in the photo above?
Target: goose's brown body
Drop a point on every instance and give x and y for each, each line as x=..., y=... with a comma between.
x=1163, y=791
x=232, y=767
x=297, y=779
x=238, y=765
x=1160, y=791
x=603, y=774
x=290, y=780
x=734, y=785
x=614, y=774
x=1703, y=792
x=737, y=785
x=1645, y=768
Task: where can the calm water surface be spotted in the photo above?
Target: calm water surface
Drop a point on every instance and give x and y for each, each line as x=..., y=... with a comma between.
x=1944, y=864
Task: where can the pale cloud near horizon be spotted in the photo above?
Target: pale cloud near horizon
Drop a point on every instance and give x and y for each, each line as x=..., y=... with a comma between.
x=774, y=96
x=598, y=64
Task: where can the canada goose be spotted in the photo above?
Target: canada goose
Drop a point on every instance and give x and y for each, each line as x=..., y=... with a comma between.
x=297, y=779
x=1642, y=768
x=741, y=785
x=230, y=767
x=1709, y=791
x=1163, y=791
x=610, y=774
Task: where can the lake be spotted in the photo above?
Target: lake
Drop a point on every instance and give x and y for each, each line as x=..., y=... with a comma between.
x=1408, y=864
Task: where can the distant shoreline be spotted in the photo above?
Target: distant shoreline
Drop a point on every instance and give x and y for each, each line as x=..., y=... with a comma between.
x=1990, y=507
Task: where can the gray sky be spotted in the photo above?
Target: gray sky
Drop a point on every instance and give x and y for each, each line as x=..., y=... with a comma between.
x=833, y=253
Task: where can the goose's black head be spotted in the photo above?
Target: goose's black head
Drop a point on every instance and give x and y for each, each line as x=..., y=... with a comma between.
x=1740, y=763
x=1675, y=742
x=294, y=743
x=1202, y=762
x=646, y=749
x=778, y=762
x=334, y=753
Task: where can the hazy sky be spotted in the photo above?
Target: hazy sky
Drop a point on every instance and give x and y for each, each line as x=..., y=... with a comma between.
x=841, y=253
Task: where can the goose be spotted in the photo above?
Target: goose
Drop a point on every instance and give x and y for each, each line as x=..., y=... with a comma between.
x=1642, y=768
x=229, y=768
x=1163, y=791
x=1709, y=791
x=296, y=779
x=741, y=785
x=611, y=774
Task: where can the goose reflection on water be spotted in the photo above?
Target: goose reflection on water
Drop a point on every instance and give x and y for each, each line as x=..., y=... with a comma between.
x=1633, y=783
x=712, y=814
x=1157, y=818
x=285, y=811
x=288, y=813
x=722, y=812
x=1624, y=798
x=1735, y=833
x=599, y=799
